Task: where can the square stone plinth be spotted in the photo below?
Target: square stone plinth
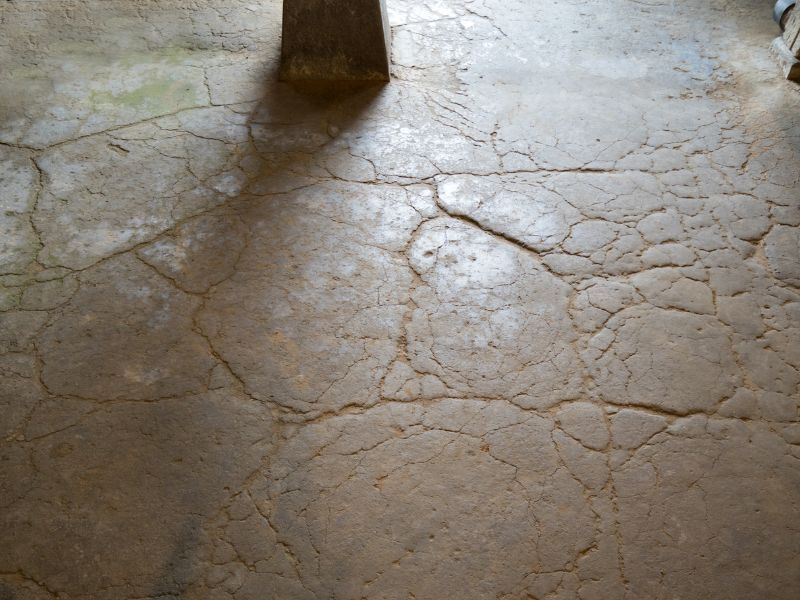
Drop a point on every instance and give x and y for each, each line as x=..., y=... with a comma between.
x=339, y=40
x=791, y=35
x=790, y=66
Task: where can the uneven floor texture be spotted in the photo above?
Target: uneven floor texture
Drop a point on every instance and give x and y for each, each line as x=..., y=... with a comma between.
x=522, y=324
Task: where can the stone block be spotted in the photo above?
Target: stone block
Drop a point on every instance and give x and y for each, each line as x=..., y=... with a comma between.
x=791, y=34
x=335, y=40
x=790, y=66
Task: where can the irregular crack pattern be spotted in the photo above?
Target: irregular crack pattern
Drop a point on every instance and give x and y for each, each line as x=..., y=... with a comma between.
x=524, y=323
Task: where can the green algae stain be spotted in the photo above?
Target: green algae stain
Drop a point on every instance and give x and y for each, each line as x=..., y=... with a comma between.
x=165, y=82
x=154, y=96
x=172, y=56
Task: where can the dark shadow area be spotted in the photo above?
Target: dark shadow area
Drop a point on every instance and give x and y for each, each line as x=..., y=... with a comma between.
x=127, y=488
x=293, y=126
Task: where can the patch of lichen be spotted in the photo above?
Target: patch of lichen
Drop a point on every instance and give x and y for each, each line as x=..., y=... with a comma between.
x=155, y=95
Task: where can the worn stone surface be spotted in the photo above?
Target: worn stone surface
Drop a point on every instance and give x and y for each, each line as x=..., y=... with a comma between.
x=523, y=324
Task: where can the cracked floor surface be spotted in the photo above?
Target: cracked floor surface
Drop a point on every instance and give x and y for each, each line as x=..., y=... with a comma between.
x=522, y=324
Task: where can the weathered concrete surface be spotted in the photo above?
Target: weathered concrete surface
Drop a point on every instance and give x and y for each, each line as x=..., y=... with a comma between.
x=335, y=40
x=524, y=324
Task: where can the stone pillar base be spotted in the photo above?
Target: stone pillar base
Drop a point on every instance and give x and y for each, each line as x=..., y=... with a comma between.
x=790, y=66
x=335, y=40
x=791, y=32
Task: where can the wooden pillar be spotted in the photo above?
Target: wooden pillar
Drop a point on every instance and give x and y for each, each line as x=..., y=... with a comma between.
x=337, y=40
